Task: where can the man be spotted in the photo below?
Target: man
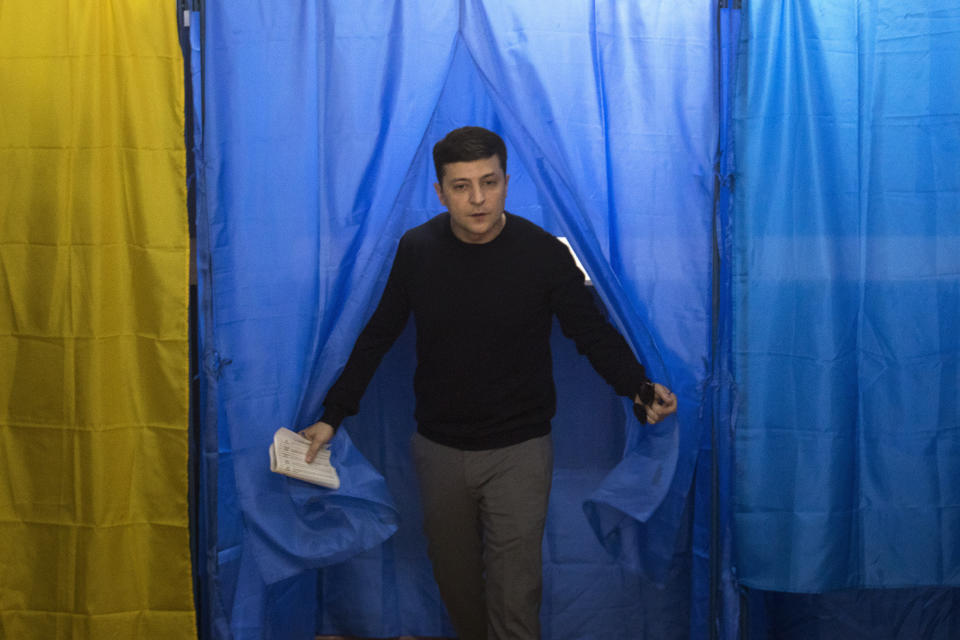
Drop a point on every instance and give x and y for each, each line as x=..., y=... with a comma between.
x=483, y=286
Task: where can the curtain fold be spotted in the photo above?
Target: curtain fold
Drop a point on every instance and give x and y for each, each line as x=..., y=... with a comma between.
x=847, y=297
x=300, y=175
x=93, y=323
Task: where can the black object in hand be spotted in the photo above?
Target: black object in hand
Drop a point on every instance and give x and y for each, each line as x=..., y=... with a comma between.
x=640, y=411
x=647, y=395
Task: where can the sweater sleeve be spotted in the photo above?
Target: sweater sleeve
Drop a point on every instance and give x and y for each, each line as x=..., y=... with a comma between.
x=381, y=331
x=583, y=322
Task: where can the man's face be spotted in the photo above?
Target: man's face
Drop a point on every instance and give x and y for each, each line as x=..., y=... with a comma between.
x=474, y=193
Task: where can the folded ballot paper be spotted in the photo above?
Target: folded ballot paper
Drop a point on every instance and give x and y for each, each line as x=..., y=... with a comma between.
x=288, y=456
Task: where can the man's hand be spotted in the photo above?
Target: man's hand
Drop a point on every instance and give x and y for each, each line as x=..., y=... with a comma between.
x=319, y=434
x=664, y=404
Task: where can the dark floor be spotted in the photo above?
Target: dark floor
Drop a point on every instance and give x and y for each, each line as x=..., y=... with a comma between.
x=400, y=638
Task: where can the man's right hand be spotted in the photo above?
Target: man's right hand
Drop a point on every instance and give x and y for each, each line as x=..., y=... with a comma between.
x=319, y=434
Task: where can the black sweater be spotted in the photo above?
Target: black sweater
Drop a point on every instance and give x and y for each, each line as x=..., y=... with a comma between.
x=483, y=315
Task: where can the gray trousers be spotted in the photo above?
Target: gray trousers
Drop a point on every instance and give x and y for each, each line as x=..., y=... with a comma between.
x=484, y=513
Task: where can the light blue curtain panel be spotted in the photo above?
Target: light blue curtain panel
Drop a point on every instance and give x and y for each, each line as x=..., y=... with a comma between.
x=317, y=122
x=846, y=295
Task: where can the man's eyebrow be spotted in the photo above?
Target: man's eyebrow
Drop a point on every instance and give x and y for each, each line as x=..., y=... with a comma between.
x=492, y=174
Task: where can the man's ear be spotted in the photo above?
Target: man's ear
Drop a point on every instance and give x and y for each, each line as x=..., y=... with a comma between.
x=439, y=190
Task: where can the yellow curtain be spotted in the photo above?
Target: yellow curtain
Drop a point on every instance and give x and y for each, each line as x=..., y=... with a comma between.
x=94, y=534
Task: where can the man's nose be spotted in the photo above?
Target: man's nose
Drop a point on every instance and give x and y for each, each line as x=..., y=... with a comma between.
x=476, y=195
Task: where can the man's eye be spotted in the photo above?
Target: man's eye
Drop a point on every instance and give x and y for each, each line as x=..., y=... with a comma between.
x=490, y=183
x=459, y=187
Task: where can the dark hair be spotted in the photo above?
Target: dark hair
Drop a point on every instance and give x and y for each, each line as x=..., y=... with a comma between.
x=467, y=144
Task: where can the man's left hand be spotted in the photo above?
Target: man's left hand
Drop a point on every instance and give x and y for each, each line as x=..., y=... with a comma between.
x=664, y=404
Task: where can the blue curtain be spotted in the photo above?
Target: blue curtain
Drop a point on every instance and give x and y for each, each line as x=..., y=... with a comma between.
x=317, y=125
x=715, y=586
x=846, y=296
x=858, y=614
